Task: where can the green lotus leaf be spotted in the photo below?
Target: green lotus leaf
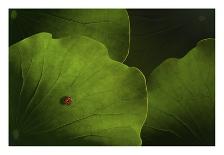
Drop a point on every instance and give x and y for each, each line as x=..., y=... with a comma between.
x=109, y=26
x=109, y=99
x=158, y=34
x=182, y=99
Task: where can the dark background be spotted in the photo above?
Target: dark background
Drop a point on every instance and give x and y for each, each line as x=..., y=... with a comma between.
x=158, y=34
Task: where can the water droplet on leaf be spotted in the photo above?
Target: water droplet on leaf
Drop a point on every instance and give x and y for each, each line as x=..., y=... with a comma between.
x=13, y=14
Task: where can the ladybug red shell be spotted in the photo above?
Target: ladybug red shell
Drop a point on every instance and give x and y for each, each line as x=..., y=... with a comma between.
x=67, y=100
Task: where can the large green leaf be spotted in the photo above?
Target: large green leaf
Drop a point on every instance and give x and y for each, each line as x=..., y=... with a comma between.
x=182, y=99
x=109, y=99
x=158, y=34
x=109, y=26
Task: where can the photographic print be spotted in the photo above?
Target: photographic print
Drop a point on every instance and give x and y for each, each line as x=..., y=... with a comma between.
x=111, y=77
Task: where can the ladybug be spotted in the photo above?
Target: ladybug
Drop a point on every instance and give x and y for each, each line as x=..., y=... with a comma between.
x=67, y=100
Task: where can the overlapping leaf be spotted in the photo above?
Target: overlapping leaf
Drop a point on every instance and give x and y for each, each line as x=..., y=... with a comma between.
x=109, y=99
x=109, y=26
x=182, y=99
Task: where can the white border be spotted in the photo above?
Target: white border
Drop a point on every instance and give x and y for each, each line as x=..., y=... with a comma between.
x=112, y=4
x=5, y=4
